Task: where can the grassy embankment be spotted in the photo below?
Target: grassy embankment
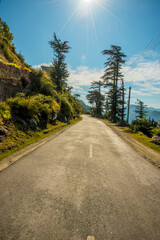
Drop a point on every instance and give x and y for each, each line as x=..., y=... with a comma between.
x=139, y=136
x=17, y=139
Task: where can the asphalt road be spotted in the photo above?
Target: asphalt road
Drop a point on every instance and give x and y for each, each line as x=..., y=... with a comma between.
x=85, y=182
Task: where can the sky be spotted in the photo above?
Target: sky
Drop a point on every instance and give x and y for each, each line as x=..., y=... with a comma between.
x=91, y=26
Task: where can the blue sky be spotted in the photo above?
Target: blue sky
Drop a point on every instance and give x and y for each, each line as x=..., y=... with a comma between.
x=91, y=26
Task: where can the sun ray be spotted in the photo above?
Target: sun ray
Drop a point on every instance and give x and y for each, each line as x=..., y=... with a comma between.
x=69, y=19
x=94, y=28
x=113, y=15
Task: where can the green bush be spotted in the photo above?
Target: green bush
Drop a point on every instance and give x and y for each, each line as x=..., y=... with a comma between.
x=156, y=131
x=77, y=107
x=5, y=113
x=35, y=81
x=8, y=55
x=143, y=125
x=38, y=106
x=66, y=108
x=39, y=83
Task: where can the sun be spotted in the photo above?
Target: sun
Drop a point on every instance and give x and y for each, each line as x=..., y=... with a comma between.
x=87, y=1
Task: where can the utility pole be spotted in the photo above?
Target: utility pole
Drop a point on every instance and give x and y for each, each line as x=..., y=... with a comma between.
x=129, y=97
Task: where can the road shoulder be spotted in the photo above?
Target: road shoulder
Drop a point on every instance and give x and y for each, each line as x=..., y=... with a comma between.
x=146, y=152
x=8, y=161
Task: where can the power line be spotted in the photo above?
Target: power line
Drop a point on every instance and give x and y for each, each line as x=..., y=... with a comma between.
x=151, y=46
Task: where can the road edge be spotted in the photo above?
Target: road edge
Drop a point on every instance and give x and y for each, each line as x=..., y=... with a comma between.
x=8, y=161
x=146, y=152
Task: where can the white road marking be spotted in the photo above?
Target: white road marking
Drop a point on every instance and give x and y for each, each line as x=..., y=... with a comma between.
x=91, y=151
x=91, y=238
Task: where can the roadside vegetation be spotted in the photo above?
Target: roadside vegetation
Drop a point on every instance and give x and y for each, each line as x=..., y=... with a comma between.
x=110, y=104
x=44, y=106
x=145, y=132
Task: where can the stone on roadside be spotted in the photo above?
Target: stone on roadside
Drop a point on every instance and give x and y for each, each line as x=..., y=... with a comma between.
x=156, y=140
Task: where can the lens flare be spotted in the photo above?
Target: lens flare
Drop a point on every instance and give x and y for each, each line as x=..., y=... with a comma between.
x=87, y=1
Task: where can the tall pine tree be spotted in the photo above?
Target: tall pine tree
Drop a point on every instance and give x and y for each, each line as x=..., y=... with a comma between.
x=113, y=80
x=96, y=98
x=59, y=72
x=140, y=109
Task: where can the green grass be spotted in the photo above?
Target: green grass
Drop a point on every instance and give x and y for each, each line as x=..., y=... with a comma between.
x=22, y=139
x=139, y=136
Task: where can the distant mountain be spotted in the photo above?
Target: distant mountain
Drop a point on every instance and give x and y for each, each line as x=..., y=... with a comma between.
x=85, y=106
x=153, y=113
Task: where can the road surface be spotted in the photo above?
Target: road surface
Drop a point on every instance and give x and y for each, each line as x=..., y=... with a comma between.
x=84, y=184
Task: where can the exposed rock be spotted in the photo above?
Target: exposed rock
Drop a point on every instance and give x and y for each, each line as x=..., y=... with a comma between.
x=27, y=123
x=9, y=88
x=54, y=119
x=156, y=140
x=54, y=116
x=32, y=123
x=19, y=120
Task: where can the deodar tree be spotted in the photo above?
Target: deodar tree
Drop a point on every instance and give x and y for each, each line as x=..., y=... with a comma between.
x=140, y=109
x=96, y=98
x=113, y=80
x=59, y=72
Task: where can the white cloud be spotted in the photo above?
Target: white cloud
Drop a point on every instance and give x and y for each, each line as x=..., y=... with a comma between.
x=143, y=73
x=143, y=76
x=43, y=64
x=83, y=76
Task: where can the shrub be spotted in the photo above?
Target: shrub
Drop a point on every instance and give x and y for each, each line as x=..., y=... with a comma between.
x=40, y=83
x=77, y=107
x=156, y=131
x=8, y=54
x=21, y=57
x=5, y=113
x=143, y=125
x=38, y=106
x=66, y=109
x=35, y=81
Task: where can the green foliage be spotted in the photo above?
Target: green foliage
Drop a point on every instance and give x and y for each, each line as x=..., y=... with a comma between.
x=40, y=83
x=5, y=113
x=21, y=58
x=35, y=81
x=38, y=106
x=87, y=112
x=96, y=98
x=156, y=131
x=70, y=107
x=5, y=31
x=77, y=107
x=67, y=109
x=59, y=72
x=46, y=88
x=143, y=125
x=7, y=48
x=113, y=79
x=140, y=109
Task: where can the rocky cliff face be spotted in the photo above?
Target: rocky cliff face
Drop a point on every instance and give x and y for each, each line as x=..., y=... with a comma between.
x=12, y=81
x=9, y=88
